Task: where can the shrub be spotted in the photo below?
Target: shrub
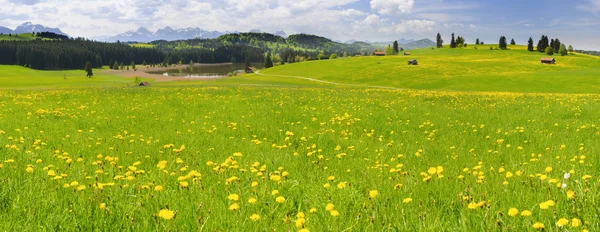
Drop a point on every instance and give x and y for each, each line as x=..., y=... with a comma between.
x=333, y=56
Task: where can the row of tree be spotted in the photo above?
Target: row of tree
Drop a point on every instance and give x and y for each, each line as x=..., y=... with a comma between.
x=73, y=54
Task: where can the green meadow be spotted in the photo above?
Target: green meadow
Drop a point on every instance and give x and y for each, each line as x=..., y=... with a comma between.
x=468, y=140
x=466, y=69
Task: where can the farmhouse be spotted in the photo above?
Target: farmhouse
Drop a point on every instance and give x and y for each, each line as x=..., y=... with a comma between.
x=413, y=62
x=379, y=53
x=143, y=84
x=548, y=61
x=407, y=53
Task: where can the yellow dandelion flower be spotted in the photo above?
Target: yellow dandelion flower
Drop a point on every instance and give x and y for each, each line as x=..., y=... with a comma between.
x=252, y=200
x=280, y=200
x=570, y=194
x=233, y=197
x=509, y=175
x=255, y=217
x=407, y=200
x=538, y=226
x=184, y=184
x=300, y=215
x=275, y=178
x=274, y=192
x=526, y=213
x=234, y=207
x=166, y=214
x=29, y=169
x=562, y=222
x=304, y=230
x=331, y=178
x=254, y=184
x=551, y=203
x=548, y=169
x=472, y=205
x=432, y=170
x=575, y=222
x=329, y=207
x=300, y=222
x=544, y=205
x=102, y=206
x=326, y=185
x=341, y=185
x=513, y=212
x=158, y=188
x=334, y=213
x=373, y=194
x=313, y=210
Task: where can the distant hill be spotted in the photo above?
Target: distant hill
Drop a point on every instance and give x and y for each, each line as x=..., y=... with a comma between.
x=144, y=35
x=424, y=43
x=5, y=30
x=29, y=27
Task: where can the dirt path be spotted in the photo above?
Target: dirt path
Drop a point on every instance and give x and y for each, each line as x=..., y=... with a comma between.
x=331, y=82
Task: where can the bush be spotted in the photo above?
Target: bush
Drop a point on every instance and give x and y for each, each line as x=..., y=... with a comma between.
x=137, y=80
x=333, y=56
x=549, y=51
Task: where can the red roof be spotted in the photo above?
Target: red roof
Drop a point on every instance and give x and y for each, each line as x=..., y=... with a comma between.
x=547, y=59
x=379, y=53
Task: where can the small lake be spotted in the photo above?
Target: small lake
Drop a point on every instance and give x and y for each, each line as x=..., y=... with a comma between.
x=207, y=70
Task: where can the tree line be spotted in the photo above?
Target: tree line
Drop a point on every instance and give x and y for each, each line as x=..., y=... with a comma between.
x=544, y=45
x=74, y=53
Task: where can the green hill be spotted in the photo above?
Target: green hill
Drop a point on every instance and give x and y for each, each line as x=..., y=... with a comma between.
x=466, y=69
x=18, y=37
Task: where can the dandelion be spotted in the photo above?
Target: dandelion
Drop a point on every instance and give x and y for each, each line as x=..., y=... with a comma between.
x=254, y=184
x=575, y=222
x=526, y=213
x=233, y=197
x=571, y=194
x=184, y=184
x=234, y=207
x=327, y=185
x=102, y=206
x=334, y=213
x=252, y=200
x=300, y=222
x=255, y=217
x=158, y=188
x=29, y=169
x=373, y=194
x=562, y=222
x=329, y=207
x=304, y=230
x=548, y=169
x=274, y=192
x=280, y=200
x=407, y=200
x=472, y=205
x=513, y=212
x=341, y=185
x=331, y=178
x=166, y=214
x=538, y=226
x=313, y=210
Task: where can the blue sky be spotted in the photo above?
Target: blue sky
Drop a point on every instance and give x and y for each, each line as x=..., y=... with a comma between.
x=574, y=22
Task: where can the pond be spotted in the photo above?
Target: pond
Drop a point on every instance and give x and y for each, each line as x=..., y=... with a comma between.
x=207, y=70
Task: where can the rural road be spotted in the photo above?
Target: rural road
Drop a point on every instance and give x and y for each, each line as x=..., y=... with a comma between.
x=331, y=82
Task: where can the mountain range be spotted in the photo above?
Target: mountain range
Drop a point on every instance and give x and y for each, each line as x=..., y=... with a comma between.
x=29, y=27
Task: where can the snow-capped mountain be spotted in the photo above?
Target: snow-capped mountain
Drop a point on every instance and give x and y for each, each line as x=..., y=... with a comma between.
x=281, y=33
x=144, y=35
x=29, y=27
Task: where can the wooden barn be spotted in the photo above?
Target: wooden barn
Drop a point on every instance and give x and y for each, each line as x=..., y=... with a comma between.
x=144, y=84
x=413, y=62
x=548, y=61
x=379, y=53
x=407, y=53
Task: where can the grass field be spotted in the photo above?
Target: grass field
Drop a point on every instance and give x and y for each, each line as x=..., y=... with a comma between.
x=467, y=69
x=12, y=77
x=18, y=37
x=270, y=153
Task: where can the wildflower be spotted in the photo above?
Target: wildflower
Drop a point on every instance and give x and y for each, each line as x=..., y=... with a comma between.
x=331, y=178
x=373, y=194
x=551, y=203
x=29, y=169
x=513, y=212
x=526, y=213
x=300, y=222
x=570, y=194
x=407, y=200
x=509, y=175
x=538, y=226
x=326, y=185
x=544, y=205
x=255, y=217
x=334, y=213
x=575, y=222
x=300, y=215
x=158, y=188
x=329, y=207
x=304, y=230
x=234, y=207
x=166, y=214
x=254, y=184
x=102, y=206
x=548, y=169
x=562, y=222
x=472, y=205
x=341, y=185
x=313, y=210
x=274, y=192
x=567, y=176
x=276, y=178
x=184, y=184
x=280, y=200
x=252, y=200
x=233, y=197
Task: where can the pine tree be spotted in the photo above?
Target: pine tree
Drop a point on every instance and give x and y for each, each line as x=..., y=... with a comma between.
x=512, y=42
x=133, y=65
x=452, y=42
x=116, y=65
x=439, y=41
x=477, y=41
x=502, y=44
x=396, y=48
x=268, y=61
x=88, y=69
x=530, y=44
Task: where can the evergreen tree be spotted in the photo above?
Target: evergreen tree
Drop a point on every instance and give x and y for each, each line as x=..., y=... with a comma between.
x=133, y=65
x=556, y=46
x=396, y=48
x=88, y=69
x=563, y=50
x=268, y=61
x=512, y=42
x=477, y=41
x=453, y=42
x=530, y=44
x=460, y=41
x=439, y=41
x=502, y=44
x=116, y=65
x=571, y=49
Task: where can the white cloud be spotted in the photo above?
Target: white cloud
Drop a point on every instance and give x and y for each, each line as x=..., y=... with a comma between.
x=416, y=26
x=590, y=6
x=388, y=7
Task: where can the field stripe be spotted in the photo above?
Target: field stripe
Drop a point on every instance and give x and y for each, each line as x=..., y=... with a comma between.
x=331, y=82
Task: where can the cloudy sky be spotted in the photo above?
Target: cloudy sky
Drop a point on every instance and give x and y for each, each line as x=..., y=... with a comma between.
x=575, y=22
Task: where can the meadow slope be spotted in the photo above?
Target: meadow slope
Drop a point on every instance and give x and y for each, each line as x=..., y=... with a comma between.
x=466, y=69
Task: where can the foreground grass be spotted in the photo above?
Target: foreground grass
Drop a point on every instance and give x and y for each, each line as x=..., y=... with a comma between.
x=467, y=69
x=112, y=159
